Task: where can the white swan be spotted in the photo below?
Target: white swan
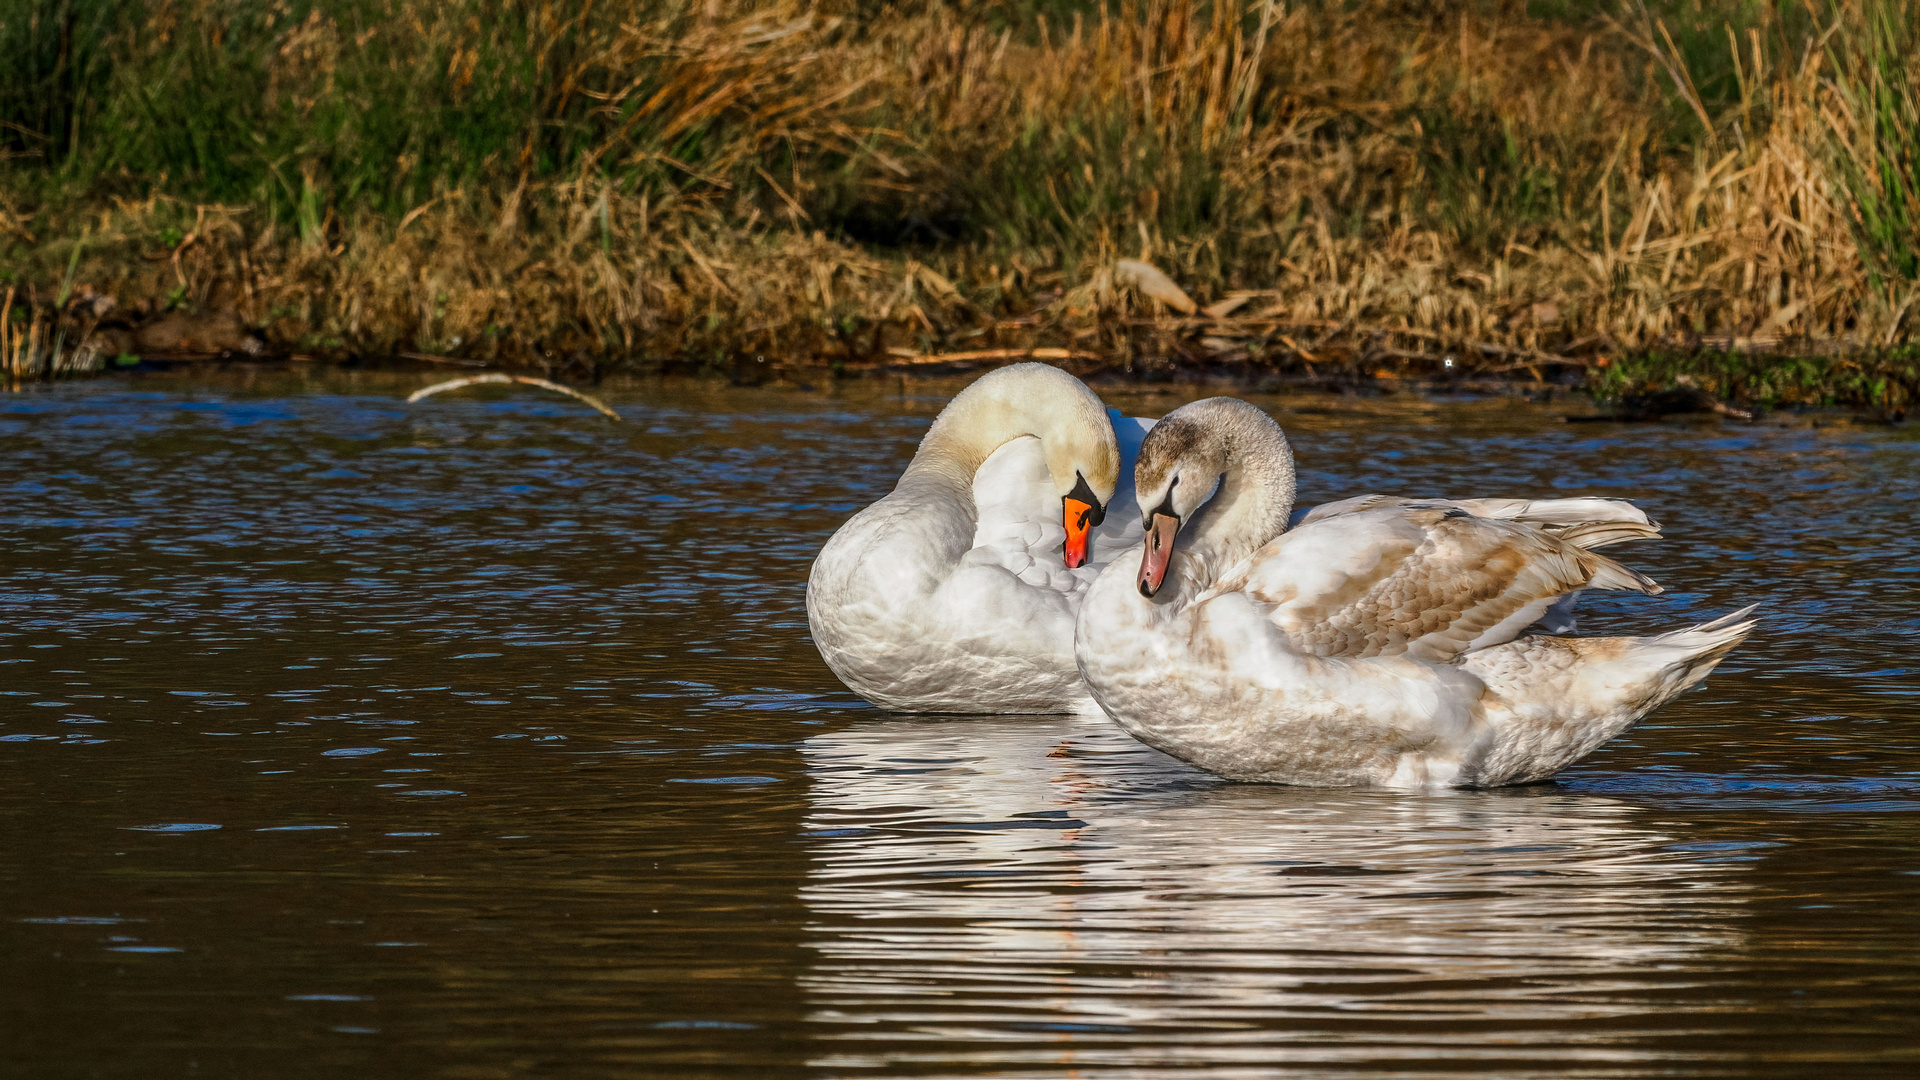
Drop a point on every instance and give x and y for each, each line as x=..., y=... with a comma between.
x=1373, y=644
x=957, y=591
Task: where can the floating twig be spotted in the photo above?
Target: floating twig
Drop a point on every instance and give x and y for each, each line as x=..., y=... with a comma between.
x=475, y=380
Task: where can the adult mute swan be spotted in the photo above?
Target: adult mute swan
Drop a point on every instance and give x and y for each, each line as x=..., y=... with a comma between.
x=957, y=591
x=1378, y=642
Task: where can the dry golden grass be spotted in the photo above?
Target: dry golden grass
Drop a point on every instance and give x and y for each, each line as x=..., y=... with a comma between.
x=742, y=185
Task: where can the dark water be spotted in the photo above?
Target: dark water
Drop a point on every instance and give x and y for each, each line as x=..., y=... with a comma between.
x=482, y=739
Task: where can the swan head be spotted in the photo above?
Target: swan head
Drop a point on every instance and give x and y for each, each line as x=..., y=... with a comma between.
x=1184, y=461
x=1181, y=462
x=1084, y=462
x=1075, y=434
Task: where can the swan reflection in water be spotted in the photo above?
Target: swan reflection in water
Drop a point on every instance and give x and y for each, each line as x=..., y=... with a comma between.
x=1045, y=892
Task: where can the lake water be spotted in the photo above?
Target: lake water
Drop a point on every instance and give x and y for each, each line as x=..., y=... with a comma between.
x=482, y=738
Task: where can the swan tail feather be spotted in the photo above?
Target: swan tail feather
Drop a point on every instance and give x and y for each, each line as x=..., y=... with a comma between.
x=1553, y=700
x=1653, y=670
x=1697, y=650
x=1736, y=620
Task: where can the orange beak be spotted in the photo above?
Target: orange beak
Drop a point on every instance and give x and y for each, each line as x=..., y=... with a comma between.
x=1077, y=516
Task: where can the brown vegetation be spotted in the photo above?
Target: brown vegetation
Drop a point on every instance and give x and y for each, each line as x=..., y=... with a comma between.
x=742, y=185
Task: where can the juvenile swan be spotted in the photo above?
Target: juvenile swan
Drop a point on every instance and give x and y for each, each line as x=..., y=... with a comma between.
x=1376, y=642
x=956, y=593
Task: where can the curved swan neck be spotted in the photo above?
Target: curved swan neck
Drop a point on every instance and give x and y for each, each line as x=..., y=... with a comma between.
x=962, y=437
x=1022, y=400
x=1254, y=500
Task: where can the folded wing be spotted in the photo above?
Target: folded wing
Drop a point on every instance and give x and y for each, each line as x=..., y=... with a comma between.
x=1425, y=579
x=1558, y=516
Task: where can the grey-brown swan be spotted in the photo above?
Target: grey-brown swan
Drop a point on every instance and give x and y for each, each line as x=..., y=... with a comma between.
x=1376, y=643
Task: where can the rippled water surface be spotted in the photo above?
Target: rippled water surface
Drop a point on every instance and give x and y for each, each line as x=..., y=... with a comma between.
x=483, y=738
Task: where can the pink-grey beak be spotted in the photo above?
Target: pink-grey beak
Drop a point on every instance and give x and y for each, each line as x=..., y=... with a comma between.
x=1157, y=552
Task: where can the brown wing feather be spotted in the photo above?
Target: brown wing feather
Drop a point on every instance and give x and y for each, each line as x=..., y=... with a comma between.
x=1444, y=581
x=1596, y=522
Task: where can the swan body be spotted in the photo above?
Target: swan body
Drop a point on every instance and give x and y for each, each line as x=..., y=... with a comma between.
x=952, y=593
x=1378, y=641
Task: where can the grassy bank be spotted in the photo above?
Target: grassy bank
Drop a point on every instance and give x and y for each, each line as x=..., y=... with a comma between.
x=1360, y=187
